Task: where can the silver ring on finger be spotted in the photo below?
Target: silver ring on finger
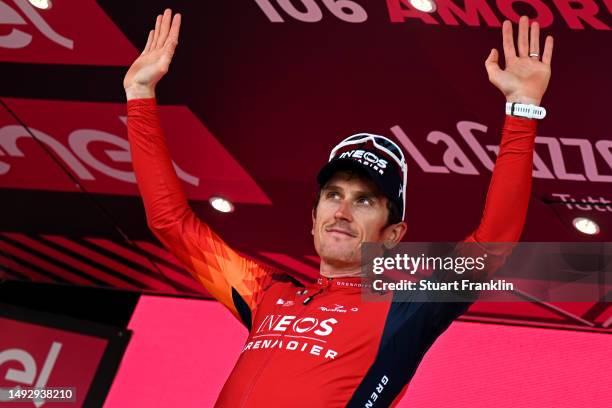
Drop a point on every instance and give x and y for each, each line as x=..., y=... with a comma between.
x=534, y=54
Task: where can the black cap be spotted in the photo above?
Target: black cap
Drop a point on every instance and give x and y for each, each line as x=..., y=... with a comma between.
x=376, y=156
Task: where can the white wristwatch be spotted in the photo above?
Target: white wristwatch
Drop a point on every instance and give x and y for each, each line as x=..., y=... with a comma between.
x=525, y=111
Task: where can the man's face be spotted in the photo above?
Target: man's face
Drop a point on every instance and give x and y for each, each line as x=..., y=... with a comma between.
x=350, y=211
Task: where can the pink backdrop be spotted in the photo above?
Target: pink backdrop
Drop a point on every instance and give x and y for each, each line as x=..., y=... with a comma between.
x=183, y=350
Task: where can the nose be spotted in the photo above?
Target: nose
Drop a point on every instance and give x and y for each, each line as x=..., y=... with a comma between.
x=343, y=212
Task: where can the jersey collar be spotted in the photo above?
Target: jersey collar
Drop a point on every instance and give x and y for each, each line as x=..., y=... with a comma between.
x=344, y=282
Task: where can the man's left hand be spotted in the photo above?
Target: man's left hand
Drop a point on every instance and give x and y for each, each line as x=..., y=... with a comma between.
x=524, y=78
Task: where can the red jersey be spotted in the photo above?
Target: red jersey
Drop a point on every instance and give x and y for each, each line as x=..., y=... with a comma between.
x=318, y=345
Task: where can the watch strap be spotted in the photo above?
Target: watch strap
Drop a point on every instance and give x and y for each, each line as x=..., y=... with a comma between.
x=525, y=111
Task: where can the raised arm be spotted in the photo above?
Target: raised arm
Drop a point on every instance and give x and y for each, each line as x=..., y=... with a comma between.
x=232, y=279
x=524, y=80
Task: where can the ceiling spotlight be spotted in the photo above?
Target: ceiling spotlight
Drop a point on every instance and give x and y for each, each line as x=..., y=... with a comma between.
x=221, y=204
x=41, y=4
x=426, y=6
x=586, y=226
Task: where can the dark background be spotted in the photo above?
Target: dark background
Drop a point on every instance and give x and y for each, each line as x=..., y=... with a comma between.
x=278, y=96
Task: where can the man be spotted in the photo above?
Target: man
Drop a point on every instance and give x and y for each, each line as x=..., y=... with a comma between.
x=320, y=344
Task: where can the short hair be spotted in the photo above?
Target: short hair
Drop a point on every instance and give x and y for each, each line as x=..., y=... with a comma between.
x=393, y=217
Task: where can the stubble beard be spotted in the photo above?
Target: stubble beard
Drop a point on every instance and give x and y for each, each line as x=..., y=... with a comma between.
x=337, y=255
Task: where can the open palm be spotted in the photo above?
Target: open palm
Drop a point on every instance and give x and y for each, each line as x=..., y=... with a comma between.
x=525, y=78
x=153, y=63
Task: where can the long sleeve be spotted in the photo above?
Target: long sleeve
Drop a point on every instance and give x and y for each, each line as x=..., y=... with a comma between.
x=234, y=280
x=504, y=213
x=507, y=199
x=508, y=196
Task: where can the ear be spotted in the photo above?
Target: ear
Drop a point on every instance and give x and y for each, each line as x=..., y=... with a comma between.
x=313, y=221
x=394, y=234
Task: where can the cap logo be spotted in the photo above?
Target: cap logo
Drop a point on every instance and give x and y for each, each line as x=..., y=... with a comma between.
x=366, y=158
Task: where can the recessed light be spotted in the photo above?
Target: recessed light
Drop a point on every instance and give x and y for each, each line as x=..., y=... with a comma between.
x=586, y=226
x=41, y=4
x=221, y=204
x=426, y=6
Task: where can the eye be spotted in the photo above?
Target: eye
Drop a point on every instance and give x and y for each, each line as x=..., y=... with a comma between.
x=365, y=201
x=332, y=194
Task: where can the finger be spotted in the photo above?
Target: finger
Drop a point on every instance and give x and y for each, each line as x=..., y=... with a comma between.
x=165, y=28
x=174, y=29
x=149, y=42
x=492, y=63
x=508, y=41
x=548, y=50
x=166, y=57
x=534, y=40
x=156, y=34
x=523, y=36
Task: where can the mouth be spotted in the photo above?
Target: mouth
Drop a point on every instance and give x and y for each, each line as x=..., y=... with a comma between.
x=341, y=232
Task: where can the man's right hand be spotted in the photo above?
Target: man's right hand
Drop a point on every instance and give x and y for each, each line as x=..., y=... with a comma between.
x=153, y=63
